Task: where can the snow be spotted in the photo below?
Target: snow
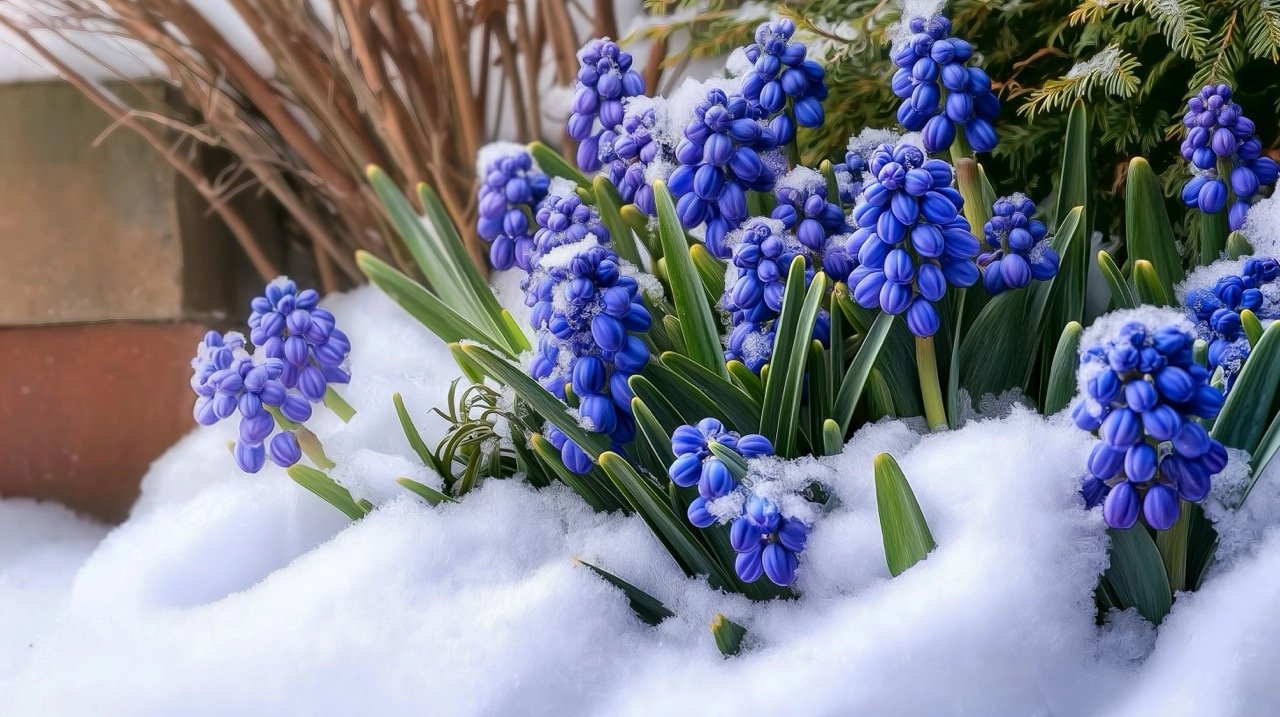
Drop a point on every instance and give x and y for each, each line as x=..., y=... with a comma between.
x=218, y=579
x=1262, y=227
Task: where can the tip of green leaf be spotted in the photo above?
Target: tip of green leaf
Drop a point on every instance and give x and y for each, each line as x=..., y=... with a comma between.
x=884, y=461
x=372, y=170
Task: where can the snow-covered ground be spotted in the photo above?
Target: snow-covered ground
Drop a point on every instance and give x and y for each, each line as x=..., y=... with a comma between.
x=232, y=594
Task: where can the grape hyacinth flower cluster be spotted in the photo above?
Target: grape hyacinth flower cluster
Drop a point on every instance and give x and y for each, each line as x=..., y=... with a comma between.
x=911, y=241
x=940, y=92
x=804, y=210
x=1141, y=393
x=288, y=325
x=509, y=195
x=767, y=543
x=1019, y=246
x=228, y=380
x=565, y=220
x=588, y=315
x=849, y=175
x=780, y=73
x=605, y=79
x=720, y=160
x=762, y=255
x=1216, y=310
x=1222, y=146
x=628, y=152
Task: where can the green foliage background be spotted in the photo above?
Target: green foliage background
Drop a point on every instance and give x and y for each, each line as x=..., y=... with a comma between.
x=1147, y=57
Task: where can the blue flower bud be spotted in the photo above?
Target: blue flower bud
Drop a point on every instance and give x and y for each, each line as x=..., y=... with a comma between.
x=754, y=445
x=1121, y=428
x=1162, y=422
x=1120, y=508
x=716, y=480
x=284, y=449
x=748, y=565
x=922, y=318
x=1140, y=462
x=698, y=514
x=779, y=564
x=1160, y=507
x=250, y=456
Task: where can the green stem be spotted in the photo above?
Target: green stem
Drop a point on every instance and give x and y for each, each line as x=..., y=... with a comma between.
x=312, y=448
x=969, y=182
x=930, y=391
x=338, y=405
x=1214, y=227
x=793, y=147
x=1172, y=544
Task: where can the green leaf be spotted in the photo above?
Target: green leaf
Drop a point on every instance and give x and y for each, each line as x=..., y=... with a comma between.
x=879, y=397
x=426, y=492
x=651, y=430
x=646, y=607
x=698, y=325
x=793, y=331
x=1147, y=226
x=1122, y=296
x=744, y=379
x=1249, y=407
x=639, y=223
x=1062, y=372
x=732, y=459
x=609, y=203
x=1238, y=245
x=855, y=378
x=1137, y=575
x=509, y=373
x=907, y=539
x=415, y=439
x=728, y=634
x=438, y=316
x=553, y=164
x=999, y=350
x=1073, y=179
x=1213, y=236
x=1252, y=327
x=673, y=531
x=741, y=409
x=327, y=489
x=832, y=438
x=710, y=271
x=1147, y=283
x=579, y=484
x=818, y=407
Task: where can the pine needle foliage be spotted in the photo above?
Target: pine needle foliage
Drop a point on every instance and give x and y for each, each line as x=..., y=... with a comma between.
x=1133, y=61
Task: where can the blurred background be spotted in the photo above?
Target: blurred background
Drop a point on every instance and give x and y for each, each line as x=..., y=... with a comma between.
x=160, y=158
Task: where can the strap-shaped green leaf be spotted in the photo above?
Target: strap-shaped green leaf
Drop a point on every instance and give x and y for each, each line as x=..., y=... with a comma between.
x=555, y=165
x=415, y=439
x=744, y=379
x=741, y=410
x=779, y=421
x=819, y=405
x=728, y=634
x=1214, y=230
x=1146, y=283
x=698, y=325
x=646, y=607
x=1238, y=245
x=657, y=403
x=880, y=401
x=507, y=372
x=832, y=438
x=425, y=492
x=1149, y=233
x=673, y=531
x=710, y=271
x=438, y=316
x=691, y=399
x=907, y=539
x=651, y=431
x=609, y=204
x=1252, y=326
x=855, y=379
x=1137, y=575
x=328, y=490
x=1122, y=296
x=1061, y=386
x=550, y=457
x=1249, y=407
x=1073, y=178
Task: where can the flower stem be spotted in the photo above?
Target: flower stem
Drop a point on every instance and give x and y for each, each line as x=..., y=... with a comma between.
x=930, y=391
x=338, y=405
x=311, y=446
x=969, y=182
x=1172, y=544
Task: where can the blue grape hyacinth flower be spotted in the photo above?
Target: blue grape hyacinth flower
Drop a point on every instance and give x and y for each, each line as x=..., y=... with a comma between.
x=1141, y=393
x=911, y=240
x=941, y=93
x=510, y=191
x=246, y=386
x=849, y=176
x=803, y=208
x=1223, y=148
x=629, y=151
x=1216, y=312
x=589, y=316
x=289, y=325
x=720, y=161
x=1018, y=246
x=767, y=543
x=780, y=74
x=696, y=465
x=605, y=79
x=566, y=220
